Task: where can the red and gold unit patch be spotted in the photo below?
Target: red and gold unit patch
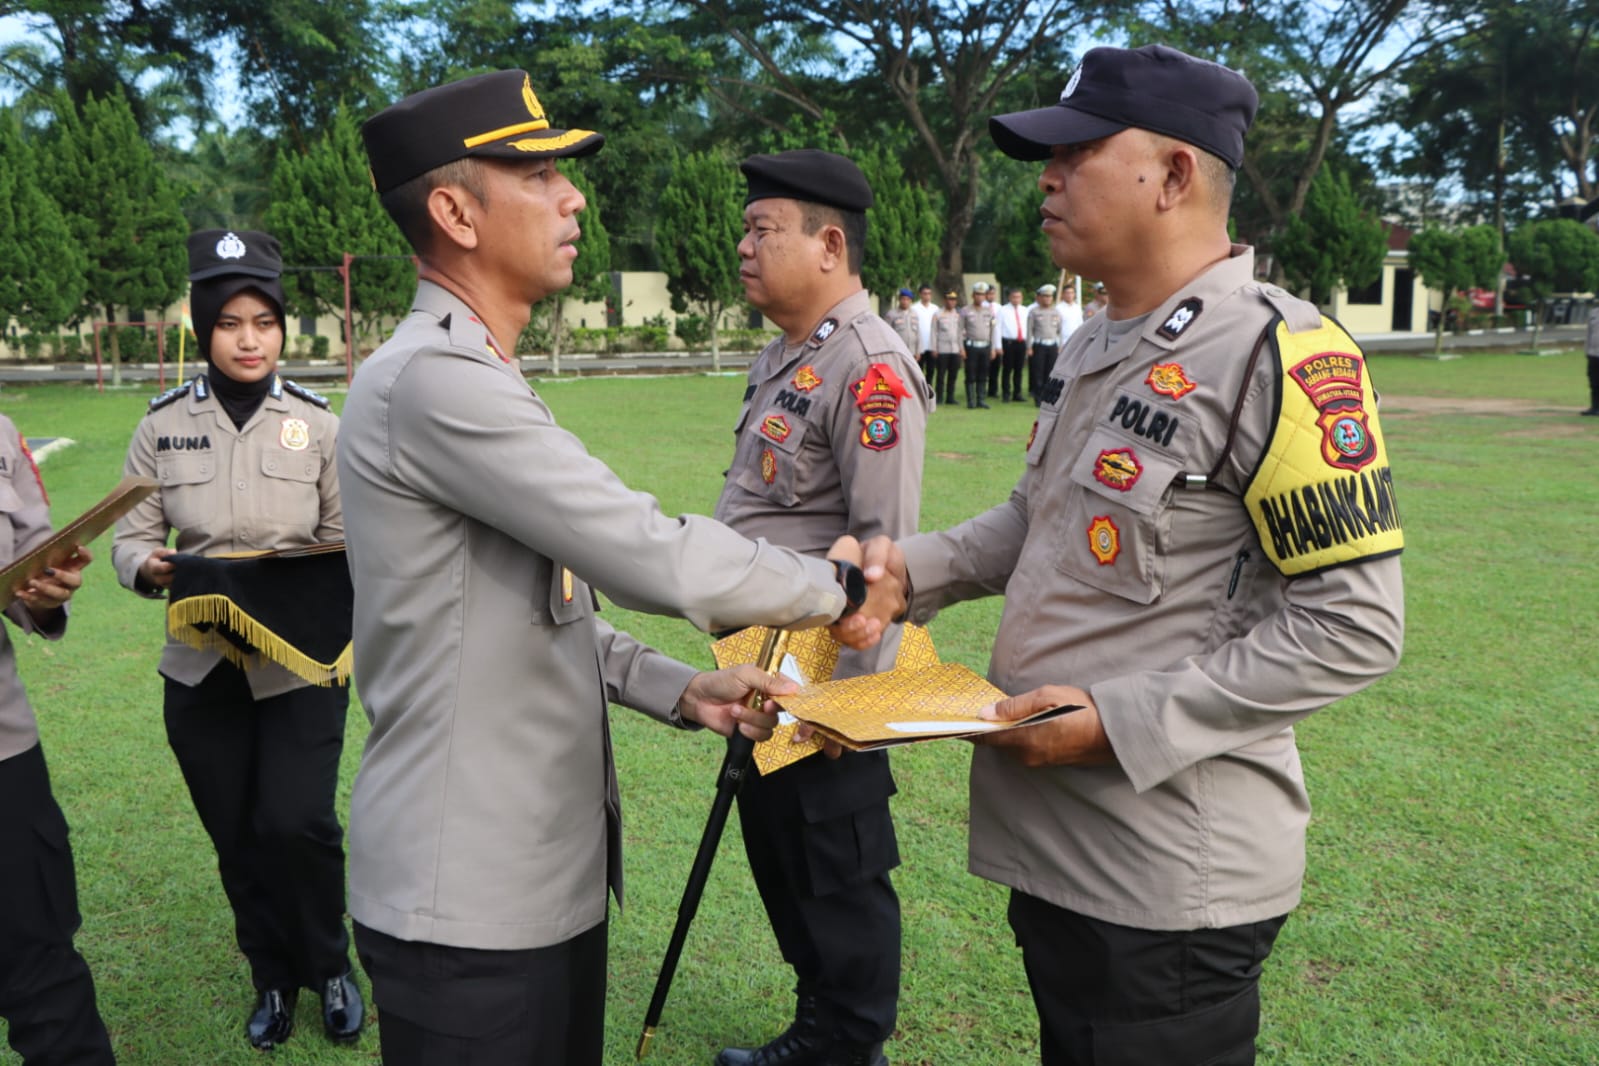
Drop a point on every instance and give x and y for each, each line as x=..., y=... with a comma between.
x=1332, y=380
x=776, y=427
x=1169, y=379
x=1104, y=539
x=37, y=477
x=768, y=465
x=1032, y=436
x=879, y=432
x=1118, y=468
x=805, y=378
x=877, y=395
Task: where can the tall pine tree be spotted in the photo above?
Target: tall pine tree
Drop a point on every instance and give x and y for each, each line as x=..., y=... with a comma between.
x=120, y=209
x=323, y=206
x=697, y=229
x=41, y=267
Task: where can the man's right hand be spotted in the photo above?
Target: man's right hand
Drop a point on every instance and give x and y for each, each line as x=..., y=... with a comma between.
x=886, y=590
x=156, y=570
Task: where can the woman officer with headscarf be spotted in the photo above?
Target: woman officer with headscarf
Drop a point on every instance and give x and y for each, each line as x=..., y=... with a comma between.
x=246, y=463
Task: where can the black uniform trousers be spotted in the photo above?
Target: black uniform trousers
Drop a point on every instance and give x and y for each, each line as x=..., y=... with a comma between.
x=977, y=360
x=1013, y=355
x=472, y=1007
x=262, y=774
x=821, y=843
x=1593, y=383
x=46, y=992
x=1039, y=366
x=928, y=361
x=949, y=364
x=1112, y=995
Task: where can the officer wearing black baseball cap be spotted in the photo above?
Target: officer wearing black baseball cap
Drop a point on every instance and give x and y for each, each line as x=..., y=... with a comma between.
x=1155, y=88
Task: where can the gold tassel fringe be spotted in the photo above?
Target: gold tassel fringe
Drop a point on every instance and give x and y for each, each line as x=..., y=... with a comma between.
x=183, y=616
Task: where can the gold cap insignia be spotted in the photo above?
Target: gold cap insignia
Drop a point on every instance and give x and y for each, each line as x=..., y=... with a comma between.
x=532, y=102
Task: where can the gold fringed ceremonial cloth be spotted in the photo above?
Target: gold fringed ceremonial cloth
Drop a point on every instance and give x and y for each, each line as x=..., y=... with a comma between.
x=290, y=607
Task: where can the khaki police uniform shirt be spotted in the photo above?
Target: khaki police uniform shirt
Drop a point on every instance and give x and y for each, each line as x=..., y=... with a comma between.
x=813, y=460
x=486, y=812
x=1044, y=324
x=1592, y=345
x=949, y=332
x=907, y=326
x=270, y=485
x=1198, y=654
x=979, y=323
x=26, y=526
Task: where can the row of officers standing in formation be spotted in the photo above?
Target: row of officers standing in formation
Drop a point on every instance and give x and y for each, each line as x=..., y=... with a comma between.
x=998, y=345
x=1159, y=576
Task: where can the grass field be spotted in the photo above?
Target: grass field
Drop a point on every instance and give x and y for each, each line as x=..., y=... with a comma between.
x=1451, y=912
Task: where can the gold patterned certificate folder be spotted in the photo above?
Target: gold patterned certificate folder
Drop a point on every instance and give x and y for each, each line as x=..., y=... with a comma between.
x=920, y=699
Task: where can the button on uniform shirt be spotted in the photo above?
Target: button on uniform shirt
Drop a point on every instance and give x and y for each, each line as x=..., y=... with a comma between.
x=949, y=332
x=272, y=484
x=1159, y=600
x=26, y=525
x=1012, y=322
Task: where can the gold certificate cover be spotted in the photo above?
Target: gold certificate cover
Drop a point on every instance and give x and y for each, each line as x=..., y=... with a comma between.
x=80, y=531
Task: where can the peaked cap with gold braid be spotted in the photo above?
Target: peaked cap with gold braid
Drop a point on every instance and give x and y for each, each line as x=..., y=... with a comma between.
x=495, y=115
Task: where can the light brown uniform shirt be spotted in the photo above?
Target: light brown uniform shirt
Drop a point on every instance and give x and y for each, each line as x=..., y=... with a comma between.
x=486, y=812
x=949, y=332
x=270, y=485
x=906, y=326
x=26, y=525
x=980, y=324
x=1157, y=600
x=1044, y=325
x=812, y=461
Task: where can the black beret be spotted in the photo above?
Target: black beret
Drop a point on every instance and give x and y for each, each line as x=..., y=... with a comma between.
x=214, y=252
x=810, y=175
x=493, y=115
x=1154, y=88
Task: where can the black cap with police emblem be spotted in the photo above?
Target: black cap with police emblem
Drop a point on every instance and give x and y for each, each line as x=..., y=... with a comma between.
x=494, y=115
x=1155, y=88
x=224, y=263
x=807, y=174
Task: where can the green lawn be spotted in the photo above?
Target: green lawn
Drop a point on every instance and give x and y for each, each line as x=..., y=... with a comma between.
x=1451, y=909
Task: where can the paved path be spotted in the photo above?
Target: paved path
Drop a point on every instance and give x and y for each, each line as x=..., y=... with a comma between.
x=331, y=373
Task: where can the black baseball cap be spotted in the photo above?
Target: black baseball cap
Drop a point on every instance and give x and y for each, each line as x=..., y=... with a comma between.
x=807, y=174
x=494, y=115
x=1155, y=88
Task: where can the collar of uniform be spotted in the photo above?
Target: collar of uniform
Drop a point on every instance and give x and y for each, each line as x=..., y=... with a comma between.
x=457, y=316
x=1227, y=276
x=842, y=313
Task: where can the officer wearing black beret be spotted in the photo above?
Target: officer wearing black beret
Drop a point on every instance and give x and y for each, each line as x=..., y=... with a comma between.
x=829, y=441
x=485, y=824
x=1153, y=840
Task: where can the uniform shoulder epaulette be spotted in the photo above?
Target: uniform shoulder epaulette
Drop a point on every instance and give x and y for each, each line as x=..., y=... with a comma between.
x=1300, y=315
x=170, y=396
x=306, y=394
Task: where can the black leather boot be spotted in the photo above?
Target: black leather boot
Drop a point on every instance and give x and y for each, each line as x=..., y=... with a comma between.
x=342, y=1009
x=803, y=1043
x=970, y=392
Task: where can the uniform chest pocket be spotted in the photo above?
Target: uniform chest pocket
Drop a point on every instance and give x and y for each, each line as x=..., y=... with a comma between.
x=185, y=468
x=1117, y=521
x=189, y=496
x=285, y=465
x=769, y=456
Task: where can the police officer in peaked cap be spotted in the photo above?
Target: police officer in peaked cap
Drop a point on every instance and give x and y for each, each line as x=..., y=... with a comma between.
x=485, y=827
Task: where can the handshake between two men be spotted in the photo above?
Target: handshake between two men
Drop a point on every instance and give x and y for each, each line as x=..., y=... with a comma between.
x=718, y=699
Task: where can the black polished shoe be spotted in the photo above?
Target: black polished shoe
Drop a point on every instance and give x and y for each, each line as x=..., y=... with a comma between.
x=273, y=1019
x=342, y=1009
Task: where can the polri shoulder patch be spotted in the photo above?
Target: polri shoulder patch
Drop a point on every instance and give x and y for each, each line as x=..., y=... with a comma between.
x=1182, y=316
x=170, y=396
x=307, y=395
